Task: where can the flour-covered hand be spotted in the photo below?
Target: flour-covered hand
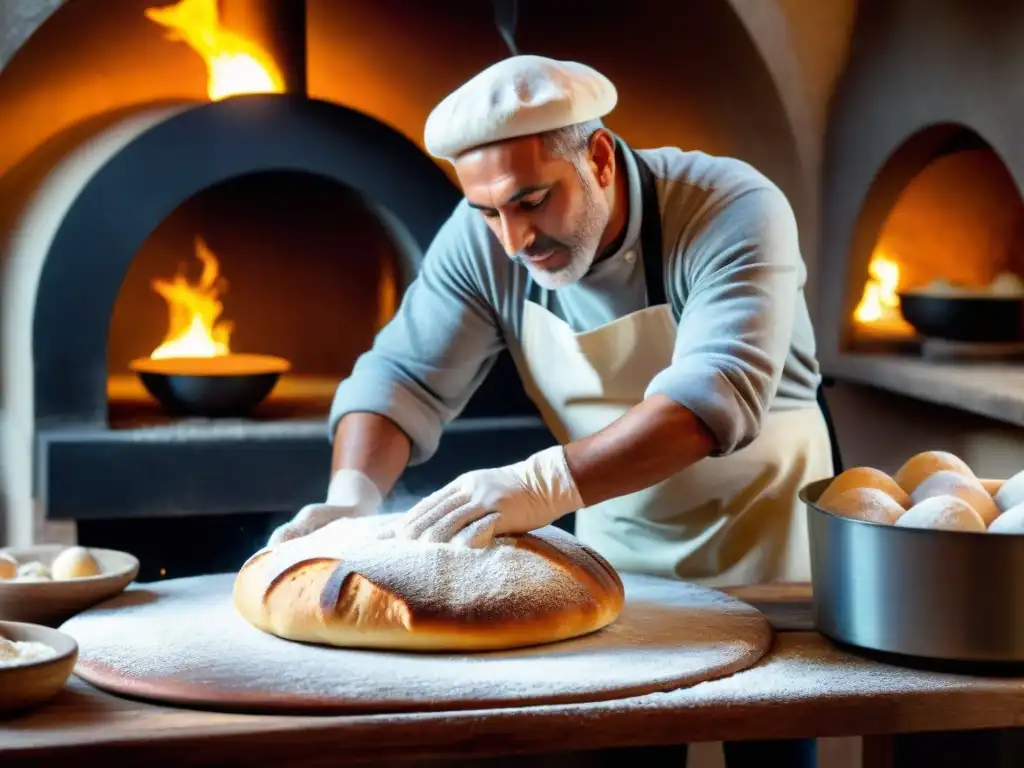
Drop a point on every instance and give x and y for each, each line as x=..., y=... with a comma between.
x=350, y=494
x=485, y=503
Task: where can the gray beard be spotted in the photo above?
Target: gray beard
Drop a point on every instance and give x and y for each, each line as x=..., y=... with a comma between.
x=582, y=250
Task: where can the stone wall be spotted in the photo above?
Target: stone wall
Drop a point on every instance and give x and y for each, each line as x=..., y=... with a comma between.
x=18, y=20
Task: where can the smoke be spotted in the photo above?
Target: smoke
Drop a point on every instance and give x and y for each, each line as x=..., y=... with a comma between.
x=506, y=16
x=401, y=500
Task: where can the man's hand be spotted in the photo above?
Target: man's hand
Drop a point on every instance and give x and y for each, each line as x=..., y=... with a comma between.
x=485, y=503
x=350, y=494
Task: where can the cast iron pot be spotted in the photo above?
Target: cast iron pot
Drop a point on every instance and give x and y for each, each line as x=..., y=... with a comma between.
x=938, y=595
x=964, y=318
x=224, y=386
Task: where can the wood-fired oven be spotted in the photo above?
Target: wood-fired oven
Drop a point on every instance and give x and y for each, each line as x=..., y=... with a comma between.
x=923, y=176
x=257, y=221
x=942, y=215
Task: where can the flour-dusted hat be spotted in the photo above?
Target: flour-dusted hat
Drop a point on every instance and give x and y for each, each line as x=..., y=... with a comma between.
x=518, y=96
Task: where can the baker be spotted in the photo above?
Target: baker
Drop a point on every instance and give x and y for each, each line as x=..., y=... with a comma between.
x=653, y=303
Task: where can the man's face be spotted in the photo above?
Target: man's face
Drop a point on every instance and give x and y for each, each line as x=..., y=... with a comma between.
x=546, y=211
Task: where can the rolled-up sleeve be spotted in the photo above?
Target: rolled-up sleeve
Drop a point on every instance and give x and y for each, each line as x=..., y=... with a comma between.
x=742, y=273
x=428, y=361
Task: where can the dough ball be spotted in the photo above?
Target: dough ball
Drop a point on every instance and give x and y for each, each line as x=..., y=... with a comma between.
x=1011, y=521
x=1011, y=493
x=920, y=467
x=947, y=483
x=992, y=486
x=864, y=477
x=8, y=649
x=868, y=504
x=947, y=513
x=8, y=567
x=34, y=571
x=75, y=563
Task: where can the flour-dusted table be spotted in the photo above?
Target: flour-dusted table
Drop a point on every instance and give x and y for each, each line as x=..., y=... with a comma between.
x=804, y=687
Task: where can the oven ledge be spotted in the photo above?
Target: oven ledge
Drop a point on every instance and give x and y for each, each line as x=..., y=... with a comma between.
x=991, y=389
x=218, y=467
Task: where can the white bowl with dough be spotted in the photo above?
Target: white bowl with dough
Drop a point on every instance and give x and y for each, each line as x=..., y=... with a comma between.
x=35, y=664
x=51, y=603
x=919, y=592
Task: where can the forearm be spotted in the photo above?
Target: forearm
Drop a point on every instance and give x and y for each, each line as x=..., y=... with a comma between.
x=649, y=443
x=373, y=445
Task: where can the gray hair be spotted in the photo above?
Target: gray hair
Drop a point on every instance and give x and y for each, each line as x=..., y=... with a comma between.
x=571, y=140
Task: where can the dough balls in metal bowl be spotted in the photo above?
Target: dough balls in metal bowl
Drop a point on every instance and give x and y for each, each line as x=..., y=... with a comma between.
x=924, y=581
x=932, y=489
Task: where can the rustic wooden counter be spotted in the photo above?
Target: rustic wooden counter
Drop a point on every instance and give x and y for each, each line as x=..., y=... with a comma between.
x=804, y=687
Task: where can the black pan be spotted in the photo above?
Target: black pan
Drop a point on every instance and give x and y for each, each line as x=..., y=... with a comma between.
x=964, y=318
x=212, y=387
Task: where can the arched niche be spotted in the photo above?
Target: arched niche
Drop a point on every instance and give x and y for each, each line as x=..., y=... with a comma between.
x=944, y=207
x=151, y=170
x=19, y=19
x=301, y=267
x=919, y=74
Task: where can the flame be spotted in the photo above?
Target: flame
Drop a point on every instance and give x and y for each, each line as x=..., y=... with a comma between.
x=193, y=328
x=880, y=303
x=234, y=64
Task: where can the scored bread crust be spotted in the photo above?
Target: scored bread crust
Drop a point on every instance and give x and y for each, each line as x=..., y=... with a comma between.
x=361, y=602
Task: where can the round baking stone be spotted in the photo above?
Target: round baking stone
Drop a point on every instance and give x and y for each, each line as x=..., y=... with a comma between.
x=182, y=642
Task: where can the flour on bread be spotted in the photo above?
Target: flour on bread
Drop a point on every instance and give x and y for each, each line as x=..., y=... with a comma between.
x=448, y=579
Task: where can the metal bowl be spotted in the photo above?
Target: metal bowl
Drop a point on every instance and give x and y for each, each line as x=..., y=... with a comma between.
x=940, y=595
x=964, y=318
x=224, y=386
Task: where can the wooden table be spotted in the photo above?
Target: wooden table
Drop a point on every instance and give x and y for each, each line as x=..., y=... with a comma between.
x=805, y=687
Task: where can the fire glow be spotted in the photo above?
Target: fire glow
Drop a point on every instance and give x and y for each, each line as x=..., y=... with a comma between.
x=194, y=310
x=234, y=64
x=879, y=307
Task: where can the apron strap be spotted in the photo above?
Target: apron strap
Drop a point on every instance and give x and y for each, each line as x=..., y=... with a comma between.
x=650, y=242
x=650, y=235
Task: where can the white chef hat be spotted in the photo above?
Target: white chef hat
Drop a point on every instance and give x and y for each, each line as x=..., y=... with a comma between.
x=518, y=96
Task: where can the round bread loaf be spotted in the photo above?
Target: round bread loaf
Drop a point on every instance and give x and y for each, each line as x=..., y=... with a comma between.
x=864, y=477
x=355, y=583
x=919, y=468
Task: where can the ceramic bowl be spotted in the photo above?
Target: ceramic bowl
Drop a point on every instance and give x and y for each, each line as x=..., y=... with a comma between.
x=25, y=685
x=51, y=603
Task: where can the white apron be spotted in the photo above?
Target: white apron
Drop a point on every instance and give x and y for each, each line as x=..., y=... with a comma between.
x=723, y=521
